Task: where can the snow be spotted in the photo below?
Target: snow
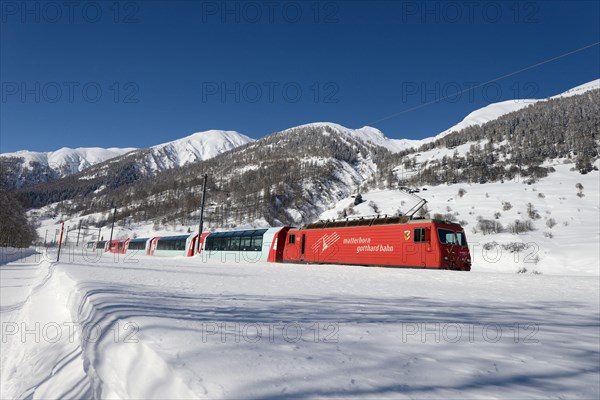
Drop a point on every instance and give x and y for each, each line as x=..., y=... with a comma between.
x=198, y=146
x=592, y=85
x=181, y=328
x=486, y=114
x=368, y=134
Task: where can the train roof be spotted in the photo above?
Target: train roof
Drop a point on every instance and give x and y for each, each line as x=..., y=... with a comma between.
x=370, y=221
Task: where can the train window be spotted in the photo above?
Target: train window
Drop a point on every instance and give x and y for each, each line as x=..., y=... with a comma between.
x=139, y=245
x=446, y=236
x=462, y=239
x=250, y=240
x=419, y=236
x=245, y=243
x=292, y=239
x=234, y=243
x=257, y=243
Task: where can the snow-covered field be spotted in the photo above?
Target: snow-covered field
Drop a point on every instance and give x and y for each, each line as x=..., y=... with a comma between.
x=147, y=327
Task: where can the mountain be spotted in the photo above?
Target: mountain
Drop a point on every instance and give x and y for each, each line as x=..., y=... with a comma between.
x=29, y=167
x=370, y=135
x=26, y=168
x=196, y=147
x=496, y=110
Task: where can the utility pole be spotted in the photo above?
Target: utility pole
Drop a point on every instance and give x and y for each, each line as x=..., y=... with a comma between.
x=113, y=223
x=200, y=225
x=62, y=228
x=78, y=232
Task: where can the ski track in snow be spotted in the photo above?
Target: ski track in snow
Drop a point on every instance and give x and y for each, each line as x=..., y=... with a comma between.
x=382, y=333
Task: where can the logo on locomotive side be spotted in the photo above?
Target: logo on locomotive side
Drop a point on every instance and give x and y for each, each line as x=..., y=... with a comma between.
x=407, y=235
x=325, y=242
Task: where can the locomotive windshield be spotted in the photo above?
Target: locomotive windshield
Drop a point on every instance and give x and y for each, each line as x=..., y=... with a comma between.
x=448, y=236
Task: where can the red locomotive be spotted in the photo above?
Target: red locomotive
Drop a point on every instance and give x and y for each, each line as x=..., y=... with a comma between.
x=380, y=241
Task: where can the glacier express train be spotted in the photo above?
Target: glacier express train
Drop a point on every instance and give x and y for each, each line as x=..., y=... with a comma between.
x=397, y=241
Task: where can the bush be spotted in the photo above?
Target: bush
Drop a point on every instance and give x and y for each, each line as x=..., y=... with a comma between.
x=487, y=226
x=514, y=247
x=489, y=245
x=450, y=217
x=461, y=192
x=541, y=195
x=520, y=227
x=506, y=206
x=549, y=235
x=532, y=212
x=497, y=215
x=551, y=223
x=358, y=199
x=373, y=205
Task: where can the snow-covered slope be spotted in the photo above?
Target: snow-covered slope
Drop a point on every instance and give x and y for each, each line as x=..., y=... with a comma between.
x=593, y=85
x=69, y=160
x=495, y=110
x=196, y=147
x=368, y=134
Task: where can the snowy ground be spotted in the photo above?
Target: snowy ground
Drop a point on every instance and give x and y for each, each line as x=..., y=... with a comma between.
x=178, y=328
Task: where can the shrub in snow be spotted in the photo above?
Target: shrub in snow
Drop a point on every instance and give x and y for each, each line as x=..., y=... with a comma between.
x=514, y=247
x=497, y=215
x=541, y=195
x=551, y=223
x=520, y=226
x=487, y=226
x=376, y=209
x=461, y=192
x=506, y=206
x=532, y=212
x=549, y=235
x=449, y=217
x=490, y=245
x=358, y=199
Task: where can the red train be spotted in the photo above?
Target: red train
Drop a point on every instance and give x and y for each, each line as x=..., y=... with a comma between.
x=380, y=241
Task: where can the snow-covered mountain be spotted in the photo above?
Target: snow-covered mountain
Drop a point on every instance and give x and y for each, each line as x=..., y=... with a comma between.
x=27, y=167
x=196, y=147
x=368, y=134
x=496, y=110
x=67, y=160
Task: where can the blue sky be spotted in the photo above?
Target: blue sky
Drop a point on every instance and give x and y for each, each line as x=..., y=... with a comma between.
x=135, y=74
